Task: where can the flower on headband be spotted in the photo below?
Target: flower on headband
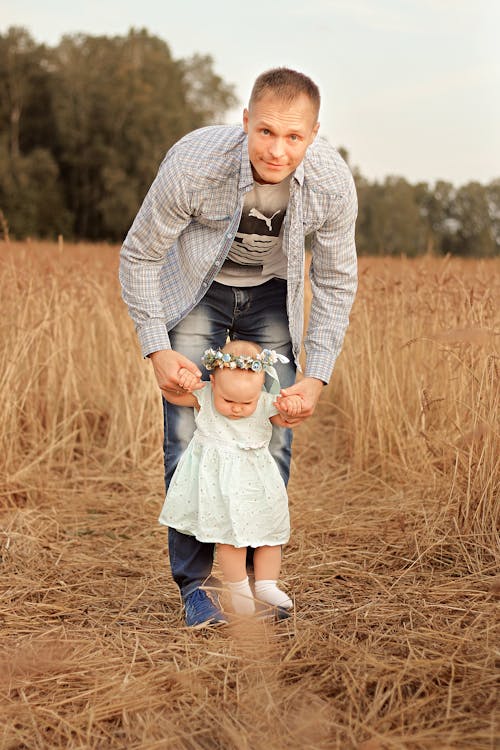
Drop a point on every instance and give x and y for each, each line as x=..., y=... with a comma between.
x=265, y=360
x=269, y=356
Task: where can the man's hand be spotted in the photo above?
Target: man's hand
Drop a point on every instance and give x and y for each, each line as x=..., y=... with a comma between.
x=309, y=390
x=175, y=372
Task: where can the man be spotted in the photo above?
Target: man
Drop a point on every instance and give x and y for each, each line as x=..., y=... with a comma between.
x=217, y=250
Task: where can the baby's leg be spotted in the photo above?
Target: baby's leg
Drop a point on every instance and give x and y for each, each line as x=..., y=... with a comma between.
x=232, y=561
x=267, y=564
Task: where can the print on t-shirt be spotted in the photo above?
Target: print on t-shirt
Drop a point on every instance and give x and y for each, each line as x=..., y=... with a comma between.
x=256, y=238
x=256, y=251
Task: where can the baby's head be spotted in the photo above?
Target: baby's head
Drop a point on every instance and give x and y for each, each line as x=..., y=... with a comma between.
x=236, y=391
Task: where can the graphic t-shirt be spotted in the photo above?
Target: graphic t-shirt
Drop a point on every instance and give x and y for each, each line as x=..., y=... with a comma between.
x=256, y=254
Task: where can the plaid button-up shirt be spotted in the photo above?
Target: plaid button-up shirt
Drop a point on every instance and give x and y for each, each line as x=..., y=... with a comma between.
x=189, y=218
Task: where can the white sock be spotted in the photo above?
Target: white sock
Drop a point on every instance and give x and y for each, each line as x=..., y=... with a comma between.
x=241, y=597
x=268, y=592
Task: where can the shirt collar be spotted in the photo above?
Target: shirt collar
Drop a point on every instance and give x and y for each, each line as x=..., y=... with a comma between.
x=299, y=173
x=246, y=175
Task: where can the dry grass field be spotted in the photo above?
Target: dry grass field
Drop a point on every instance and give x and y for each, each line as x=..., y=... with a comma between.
x=393, y=560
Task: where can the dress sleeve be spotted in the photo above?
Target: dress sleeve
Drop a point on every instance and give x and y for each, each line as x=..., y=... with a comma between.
x=267, y=400
x=202, y=395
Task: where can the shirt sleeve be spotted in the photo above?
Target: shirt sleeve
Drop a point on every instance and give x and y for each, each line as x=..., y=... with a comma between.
x=162, y=217
x=333, y=276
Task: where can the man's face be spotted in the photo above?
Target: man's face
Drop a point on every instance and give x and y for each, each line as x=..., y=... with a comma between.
x=279, y=133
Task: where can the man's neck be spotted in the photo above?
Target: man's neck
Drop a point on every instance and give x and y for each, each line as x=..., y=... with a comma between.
x=257, y=179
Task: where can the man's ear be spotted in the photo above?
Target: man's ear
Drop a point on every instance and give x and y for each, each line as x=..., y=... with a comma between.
x=245, y=120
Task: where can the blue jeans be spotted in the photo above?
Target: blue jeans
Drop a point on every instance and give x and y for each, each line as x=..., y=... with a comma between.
x=257, y=314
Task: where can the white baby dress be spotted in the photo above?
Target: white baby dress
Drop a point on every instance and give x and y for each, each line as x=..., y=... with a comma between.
x=227, y=487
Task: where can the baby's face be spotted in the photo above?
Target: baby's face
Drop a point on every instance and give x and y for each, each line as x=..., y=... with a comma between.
x=236, y=393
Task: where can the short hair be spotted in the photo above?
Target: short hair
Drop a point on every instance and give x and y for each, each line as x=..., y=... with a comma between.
x=287, y=84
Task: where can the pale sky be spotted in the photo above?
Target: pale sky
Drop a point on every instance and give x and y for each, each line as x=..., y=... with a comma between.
x=409, y=87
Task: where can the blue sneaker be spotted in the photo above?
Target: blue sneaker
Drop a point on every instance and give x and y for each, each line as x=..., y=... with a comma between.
x=202, y=609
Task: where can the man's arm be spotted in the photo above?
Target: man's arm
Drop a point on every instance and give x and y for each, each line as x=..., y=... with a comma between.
x=333, y=276
x=164, y=214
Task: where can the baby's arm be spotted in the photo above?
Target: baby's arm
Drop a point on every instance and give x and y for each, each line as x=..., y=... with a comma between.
x=183, y=398
x=288, y=407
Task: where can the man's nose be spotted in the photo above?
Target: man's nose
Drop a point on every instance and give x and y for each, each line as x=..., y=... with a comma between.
x=277, y=148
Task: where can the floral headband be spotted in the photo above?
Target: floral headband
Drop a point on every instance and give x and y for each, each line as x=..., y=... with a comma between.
x=264, y=361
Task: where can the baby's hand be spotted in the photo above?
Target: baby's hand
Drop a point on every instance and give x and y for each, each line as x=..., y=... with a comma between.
x=187, y=381
x=289, y=406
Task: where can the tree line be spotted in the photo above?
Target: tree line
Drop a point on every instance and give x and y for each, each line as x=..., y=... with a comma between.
x=84, y=125
x=398, y=217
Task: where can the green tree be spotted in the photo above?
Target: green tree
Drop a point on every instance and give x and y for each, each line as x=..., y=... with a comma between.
x=470, y=214
x=119, y=104
x=389, y=220
x=435, y=207
x=366, y=205
x=19, y=63
x=31, y=196
x=99, y=113
x=207, y=96
x=31, y=193
x=493, y=201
